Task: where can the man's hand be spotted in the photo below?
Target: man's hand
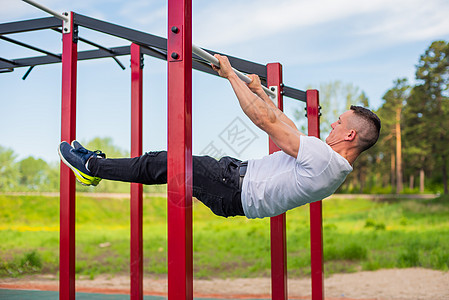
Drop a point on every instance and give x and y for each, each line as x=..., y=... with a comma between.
x=255, y=85
x=225, y=69
x=260, y=109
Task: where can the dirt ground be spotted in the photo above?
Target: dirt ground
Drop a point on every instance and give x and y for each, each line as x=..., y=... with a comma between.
x=413, y=283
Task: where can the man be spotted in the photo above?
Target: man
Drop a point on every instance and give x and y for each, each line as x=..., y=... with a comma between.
x=304, y=171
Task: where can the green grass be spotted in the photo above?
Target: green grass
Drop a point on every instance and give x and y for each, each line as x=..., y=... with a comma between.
x=358, y=235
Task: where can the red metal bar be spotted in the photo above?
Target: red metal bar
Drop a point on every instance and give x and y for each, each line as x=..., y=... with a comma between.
x=136, y=264
x=179, y=177
x=67, y=179
x=316, y=215
x=277, y=224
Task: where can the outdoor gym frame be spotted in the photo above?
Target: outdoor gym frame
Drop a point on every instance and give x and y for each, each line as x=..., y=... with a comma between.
x=177, y=50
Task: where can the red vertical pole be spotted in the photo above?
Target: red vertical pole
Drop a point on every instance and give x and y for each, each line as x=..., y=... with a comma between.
x=136, y=264
x=316, y=211
x=277, y=224
x=67, y=179
x=179, y=177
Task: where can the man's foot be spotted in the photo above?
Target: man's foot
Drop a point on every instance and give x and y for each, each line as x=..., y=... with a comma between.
x=76, y=158
x=75, y=144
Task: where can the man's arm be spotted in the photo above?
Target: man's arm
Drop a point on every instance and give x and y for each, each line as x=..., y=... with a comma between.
x=260, y=112
x=256, y=87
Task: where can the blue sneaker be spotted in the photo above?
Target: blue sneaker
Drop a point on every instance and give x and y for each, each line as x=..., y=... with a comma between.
x=76, y=159
x=75, y=144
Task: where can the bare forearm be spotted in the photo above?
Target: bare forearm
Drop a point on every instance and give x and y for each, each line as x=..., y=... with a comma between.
x=269, y=118
x=252, y=105
x=279, y=113
x=264, y=97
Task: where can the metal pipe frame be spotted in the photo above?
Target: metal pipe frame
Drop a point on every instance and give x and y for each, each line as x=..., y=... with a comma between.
x=212, y=59
x=29, y=46
x=277, y=224
x=180, y=234
x=48, y=10
x=136, y=192
x=67, y=179
x=45, y=60
x=316, y=208
x=29, y=25
x=9, y=70
x=148, y=42
x=9, y=63
x=65, y=17
x=179, y=157
x=108, y=50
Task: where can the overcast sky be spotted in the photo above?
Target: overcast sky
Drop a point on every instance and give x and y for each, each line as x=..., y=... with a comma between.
x=367, y=43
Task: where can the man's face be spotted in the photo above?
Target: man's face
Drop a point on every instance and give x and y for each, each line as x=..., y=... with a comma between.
x=340, y=129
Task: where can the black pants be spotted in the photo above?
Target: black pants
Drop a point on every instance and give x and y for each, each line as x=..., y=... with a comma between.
x=215, y=183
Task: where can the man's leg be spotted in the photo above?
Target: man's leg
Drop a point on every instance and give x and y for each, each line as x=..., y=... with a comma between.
x=92, y=166
x=150, y=168
x=215, y=183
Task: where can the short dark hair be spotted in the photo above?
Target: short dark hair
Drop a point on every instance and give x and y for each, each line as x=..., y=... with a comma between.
x=367, y=126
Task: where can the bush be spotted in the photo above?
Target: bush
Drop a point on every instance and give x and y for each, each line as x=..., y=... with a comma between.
x=351, y=251
x=31, y=260
x=376, y=225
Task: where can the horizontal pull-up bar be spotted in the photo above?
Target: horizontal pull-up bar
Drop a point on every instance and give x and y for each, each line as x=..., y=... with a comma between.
x=65, y=17
x=212, y=59
x=48, y=10
x=154, y=46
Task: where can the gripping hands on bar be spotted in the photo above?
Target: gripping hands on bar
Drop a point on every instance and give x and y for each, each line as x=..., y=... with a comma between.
x=208, y=57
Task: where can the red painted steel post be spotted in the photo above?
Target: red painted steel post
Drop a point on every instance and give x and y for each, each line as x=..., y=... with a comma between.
x=316, y=211
x=277, y=224
x=179, y=177
x=67, y=179
x=136, y=265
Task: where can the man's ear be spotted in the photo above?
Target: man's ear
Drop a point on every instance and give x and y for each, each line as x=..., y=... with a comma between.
x=351, y=135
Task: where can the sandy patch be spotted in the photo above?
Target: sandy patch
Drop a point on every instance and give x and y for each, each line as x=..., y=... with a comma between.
x=412, y=283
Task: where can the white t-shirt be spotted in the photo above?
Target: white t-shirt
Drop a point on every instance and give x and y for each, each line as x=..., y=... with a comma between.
x=279, y=182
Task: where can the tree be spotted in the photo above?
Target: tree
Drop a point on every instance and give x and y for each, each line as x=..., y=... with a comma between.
x=390, y=113
x=417, y=146
x=52, y=177
x=8, y=171
x=32, y=173
x=433, y=72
